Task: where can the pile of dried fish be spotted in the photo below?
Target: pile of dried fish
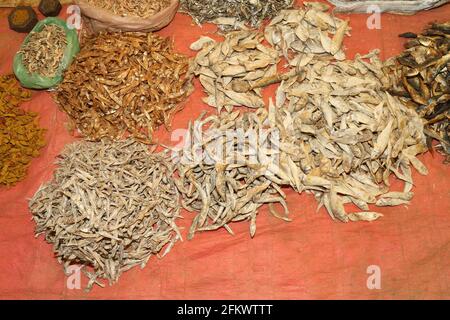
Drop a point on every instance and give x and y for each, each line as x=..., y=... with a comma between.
x=21, y=138
x=309, y=31
x=420, y=77
x=44, y=51
x=239, y=61
x=134, y=8
x=110, y=206
x=124, y=82
x=228, y=170
x=340, y=133
x=233, y=14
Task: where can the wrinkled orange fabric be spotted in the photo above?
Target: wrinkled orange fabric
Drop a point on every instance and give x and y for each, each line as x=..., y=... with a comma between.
x=309, y=258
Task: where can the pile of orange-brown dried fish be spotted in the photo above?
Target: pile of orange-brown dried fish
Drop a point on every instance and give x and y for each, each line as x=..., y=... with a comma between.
x=124, y=83
x=240, y=60
x=229, y=168
x=421, y=78
x=21, y=138
x=110, y=207
x=44, y=51
x=233, y=14
x=134, y=8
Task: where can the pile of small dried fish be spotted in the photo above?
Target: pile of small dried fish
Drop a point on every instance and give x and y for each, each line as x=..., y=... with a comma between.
x=340, y=133
x=233, y=14
x=420, y=77
x=228, y=170
x=239, y=61
x=309, y=31
x=136, y=8
x=44, y=51
x=124, y=82
x=21, y=138
x=110, y=206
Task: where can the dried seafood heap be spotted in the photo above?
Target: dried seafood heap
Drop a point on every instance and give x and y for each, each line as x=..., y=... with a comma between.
x=233, y=14
x=310, y=31
x=134, y=8
x=124, y=82
x=44, y=51
x=239, y=61
x=340, y=134
x=228, y=170
x=420, y=77
x=21, y=138
x=110, y=206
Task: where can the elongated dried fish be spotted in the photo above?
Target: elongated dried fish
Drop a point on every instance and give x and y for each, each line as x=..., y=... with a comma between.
x=233, y=14
x=110, y=207
x=44, y=51
x=334, y=131
x=240, y=60
x=124, y=83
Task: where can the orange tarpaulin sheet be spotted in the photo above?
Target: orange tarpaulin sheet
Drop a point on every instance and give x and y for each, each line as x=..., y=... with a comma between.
x=311, y=257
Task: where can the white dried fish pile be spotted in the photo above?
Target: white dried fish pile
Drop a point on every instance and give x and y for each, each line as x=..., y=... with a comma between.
x=228, y=170
x=131, y=8
x=44, y=51
x=233, y=14
x=311, y=30
x=239, y=59
x=110, y=206
x=341, y=134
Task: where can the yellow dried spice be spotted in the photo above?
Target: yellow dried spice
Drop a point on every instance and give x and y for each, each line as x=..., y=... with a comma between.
x=21, y=138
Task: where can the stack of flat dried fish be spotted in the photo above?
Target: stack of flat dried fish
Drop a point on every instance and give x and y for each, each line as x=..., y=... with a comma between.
x=233, y=14
x=110, y=206
x=44, y=51
x=134, y=8
x=123, y=82
x=240, y=60
x=420, y=77
x=228, y=170
x=309, y=31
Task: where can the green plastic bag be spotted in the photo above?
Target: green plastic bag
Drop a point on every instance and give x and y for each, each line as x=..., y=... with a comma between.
x=34, y=80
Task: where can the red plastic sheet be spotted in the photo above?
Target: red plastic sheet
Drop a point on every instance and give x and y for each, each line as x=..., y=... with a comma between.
x=309, y=258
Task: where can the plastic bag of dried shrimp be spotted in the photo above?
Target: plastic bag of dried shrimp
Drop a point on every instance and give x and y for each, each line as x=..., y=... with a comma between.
x=131, y=15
